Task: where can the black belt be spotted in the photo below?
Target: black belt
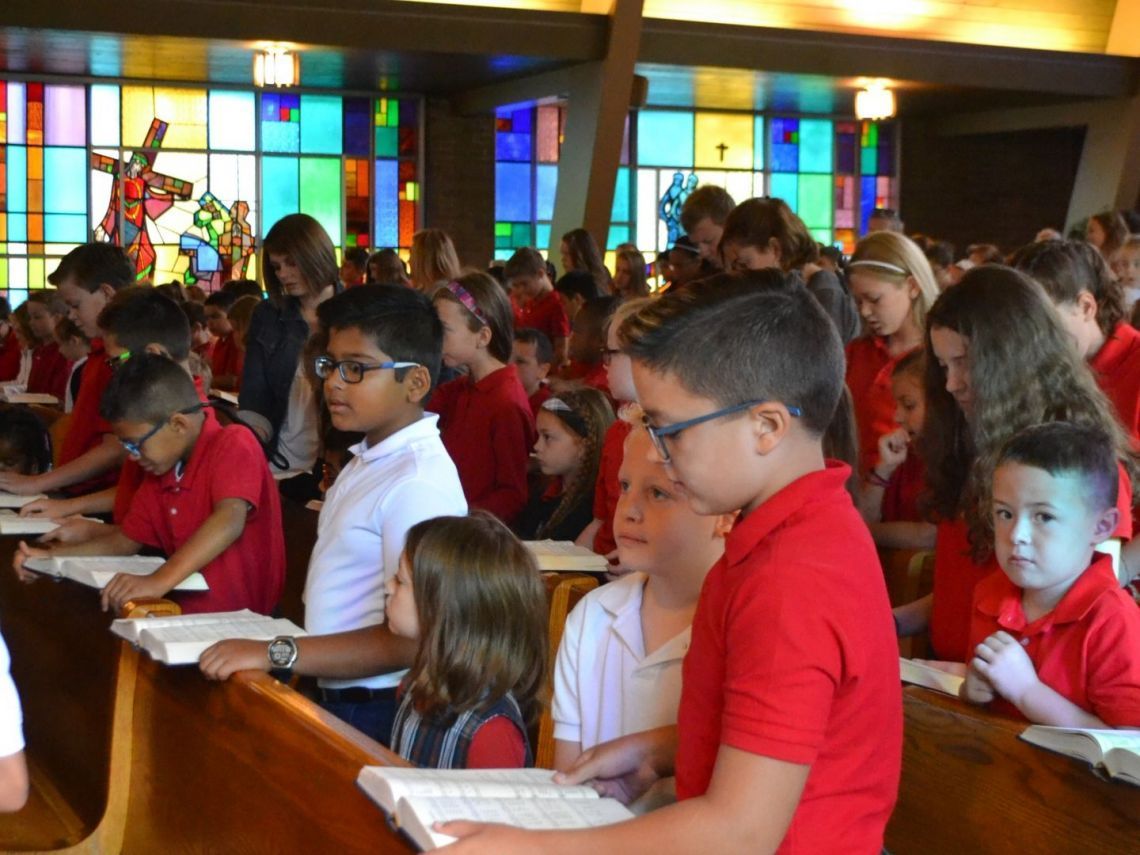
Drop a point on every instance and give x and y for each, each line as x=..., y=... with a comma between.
x=354, y=695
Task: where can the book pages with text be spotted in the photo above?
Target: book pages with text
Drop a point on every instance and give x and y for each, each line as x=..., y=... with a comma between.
x=388, y=784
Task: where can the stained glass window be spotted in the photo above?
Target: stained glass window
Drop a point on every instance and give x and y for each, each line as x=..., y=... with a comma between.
x=879, y=187
x=188, y=179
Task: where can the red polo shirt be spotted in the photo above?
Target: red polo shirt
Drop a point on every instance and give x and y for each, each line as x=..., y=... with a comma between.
x=956, y=575
x=87, y=427
x=546, y=313
x=904, y=489
x=607, y=489
x=50, y=370
x=225, y=463
x=1117, y=370
x=541, y=396
x=1087, y=648
x=9, y=356
x=227, y=358
x=869, y=367
x=794, y=657
x=488, y=429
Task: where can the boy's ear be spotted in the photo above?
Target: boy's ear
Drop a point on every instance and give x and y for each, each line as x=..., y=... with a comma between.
x=1106, y=524
x=156, y=349
x=543, y=370
x=1086, y=302
x=107, y=291
x=770, y=422
x=417, y=383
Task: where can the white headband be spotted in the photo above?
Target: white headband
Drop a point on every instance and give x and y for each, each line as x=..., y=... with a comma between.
x=882, y=265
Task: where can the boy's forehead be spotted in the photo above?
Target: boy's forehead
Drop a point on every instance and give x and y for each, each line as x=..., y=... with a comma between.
x=661, y=393
x=1023, y=480
x=525, y=350
x=346, y=340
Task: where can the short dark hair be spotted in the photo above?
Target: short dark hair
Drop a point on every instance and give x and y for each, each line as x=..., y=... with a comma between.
x=593, y=316
x=525, y=262
x=707, y=201
x=141, y=316
x=543, y=349
x=195, y=312
x=391, y=268
x=578, y=283
x=357, y=256
x=400, y=321
x=26, y=437
x=1065, y=268
x=93, y=264
x=147, y=388
x=757, y=222
x=1065, y=448
x=66, y=329
x=225, y=300
x=941, y=253
x=243, y=288
x=731, y=342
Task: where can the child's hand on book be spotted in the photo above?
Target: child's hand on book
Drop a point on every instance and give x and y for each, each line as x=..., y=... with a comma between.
x=976, y=689
x=75, y=530
x=624, y=768
x=1002, y=661
x=476, y=838
x=125, y=587
x=23, y=553
x=228, y=657
x=52, y=509
x=21, y=485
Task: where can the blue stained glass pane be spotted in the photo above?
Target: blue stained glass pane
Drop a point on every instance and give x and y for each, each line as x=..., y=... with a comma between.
x=65, y=228
x=542, y=235
x=65, y=182
x=387, y=206
x=357, y=125
x=18, y=182
x=270, y=106
x=280, y=190
x=620, y=211
x=784, y=186
x=846, y=146
x=512, y=191
x=886, y=150
x=866, y=201
x=17, y=227
x=665, y=138
x=522, y=120
x=546, y=180
x=758, y=145
x=785, y=151
x=512, y=147
x=282, y=137
x=321, y=124
x=816, y=139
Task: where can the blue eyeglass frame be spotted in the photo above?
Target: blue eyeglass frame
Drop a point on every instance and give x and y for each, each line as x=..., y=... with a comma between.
x=659, y=434
x=134, y=447
x=327, y=365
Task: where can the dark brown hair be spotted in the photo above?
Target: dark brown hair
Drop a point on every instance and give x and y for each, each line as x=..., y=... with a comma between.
x=1065, y=268
x=1063, y=448
x=1115, y=231
x=756, y=222
x=586, y=256
x=494, y=307
x=525, y=261
x=481, y=607
x=305, y=241
x=589, y=418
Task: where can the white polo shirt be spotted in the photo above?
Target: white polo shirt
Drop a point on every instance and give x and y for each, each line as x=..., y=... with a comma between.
x=11, y=717
x=382, y=492
x=604, y=684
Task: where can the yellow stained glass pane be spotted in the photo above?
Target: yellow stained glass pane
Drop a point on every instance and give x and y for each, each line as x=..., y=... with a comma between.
x=183, y=110
x=723, y=141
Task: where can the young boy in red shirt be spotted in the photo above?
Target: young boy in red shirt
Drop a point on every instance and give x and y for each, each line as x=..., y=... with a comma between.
x=207, y=501
x=532, y=357
x=227, y=358
x=539, y=306
x=789, y=735
x=1055, y=638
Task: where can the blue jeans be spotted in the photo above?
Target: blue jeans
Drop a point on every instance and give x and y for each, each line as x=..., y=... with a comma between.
x=373, y=718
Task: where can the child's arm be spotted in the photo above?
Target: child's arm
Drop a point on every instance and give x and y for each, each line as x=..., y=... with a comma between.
x=892, y=454
x=1003, y=662
x=114, y=542
x=102, y=502
x=904, y=535
x=586, y=538
x=976, y=689
x=13, y=782
x=107, y=455
x=914, y=618
x=565, y=753
x=219, y=531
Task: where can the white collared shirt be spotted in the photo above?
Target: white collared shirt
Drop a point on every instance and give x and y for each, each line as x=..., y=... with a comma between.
x=382, y=492
x=604, y=684
x=11, y=718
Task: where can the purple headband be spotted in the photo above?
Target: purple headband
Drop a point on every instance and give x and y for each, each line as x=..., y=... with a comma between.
x=464, y=297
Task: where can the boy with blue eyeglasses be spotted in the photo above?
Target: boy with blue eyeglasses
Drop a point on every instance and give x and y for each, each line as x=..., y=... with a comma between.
x=207, y=500
x=381, y=360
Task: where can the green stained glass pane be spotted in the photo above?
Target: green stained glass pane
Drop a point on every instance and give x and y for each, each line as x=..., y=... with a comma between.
x=322, y=125
x=814, y=205
x=869, y=162
x=521, y=234
x=824, y=236
x=280, y=192
x=619, y=234
x=65, y=183
x=393, y=112
x=816, y=138
x=320, y=192
x=387, y=142
x=503, y=230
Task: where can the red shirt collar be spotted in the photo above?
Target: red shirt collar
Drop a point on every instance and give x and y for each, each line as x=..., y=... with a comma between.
x=1120, y=344
x=815, y=487
x=1003, y=600
x=211, y=428
x=498, y=377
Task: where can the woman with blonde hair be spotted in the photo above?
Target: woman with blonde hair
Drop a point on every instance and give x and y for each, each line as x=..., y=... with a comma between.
x=434, y=260
x=894, y=287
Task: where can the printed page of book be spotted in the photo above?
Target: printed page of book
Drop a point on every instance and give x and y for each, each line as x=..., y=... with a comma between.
x=918, y=674
x=417, y=815
x=11, y=500
x=32, y=398
x=387, y=785
x=184, y=643
x=129, y=628
x=11, y=524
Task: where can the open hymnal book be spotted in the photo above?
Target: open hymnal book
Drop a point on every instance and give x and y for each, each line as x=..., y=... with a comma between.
x=13, y=524
x=180, y=640
x=931, y=678
x=228, y=397
x=1116, y=751
x=42, y=398
x=526, y=798
x=98, y=570
x=11, y=500
x=563, y=555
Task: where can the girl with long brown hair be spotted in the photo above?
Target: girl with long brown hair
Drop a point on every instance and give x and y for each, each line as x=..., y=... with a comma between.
x=580, y=251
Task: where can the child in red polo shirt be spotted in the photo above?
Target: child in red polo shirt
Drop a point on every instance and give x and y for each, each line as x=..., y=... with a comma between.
x=539, y=306
x=485, y=418
x=999, y=360
x=893, y=287
x=532, y=357
x=587, y=346
x=227, y=357
x=50, y=368
x=1055, y=639
x=207, y=500
x=789, y=735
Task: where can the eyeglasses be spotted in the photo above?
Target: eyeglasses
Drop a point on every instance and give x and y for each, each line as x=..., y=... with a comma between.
x=116, y=362
x=659, y=434
x=350, y=370
x=134, y=447
x=608, y=354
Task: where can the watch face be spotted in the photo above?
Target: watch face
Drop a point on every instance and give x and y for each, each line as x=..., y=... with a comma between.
x=282, y=652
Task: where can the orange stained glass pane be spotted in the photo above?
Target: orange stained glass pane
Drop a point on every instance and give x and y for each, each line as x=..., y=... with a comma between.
x=35, y=164
x=723, y=141
x=35, y=230
x=35, y=196
x=184, y=110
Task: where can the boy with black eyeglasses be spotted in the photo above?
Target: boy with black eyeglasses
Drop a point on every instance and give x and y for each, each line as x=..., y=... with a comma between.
x=382, y=358
x=207, y=500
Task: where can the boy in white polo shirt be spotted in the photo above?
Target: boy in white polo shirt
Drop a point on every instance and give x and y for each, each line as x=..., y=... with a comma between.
x=618, y=669
x=383, y=356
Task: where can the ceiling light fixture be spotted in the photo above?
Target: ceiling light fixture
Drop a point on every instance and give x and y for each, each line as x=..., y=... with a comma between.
x=875, y=102
x=276, y=66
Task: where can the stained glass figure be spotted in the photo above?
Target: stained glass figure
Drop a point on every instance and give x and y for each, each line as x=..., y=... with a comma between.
x=673, y=200
x=138, y=195
x=219, y=244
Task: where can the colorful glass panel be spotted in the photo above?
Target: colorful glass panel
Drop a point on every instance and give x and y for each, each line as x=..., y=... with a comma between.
x=664, y=138
x=723, y=141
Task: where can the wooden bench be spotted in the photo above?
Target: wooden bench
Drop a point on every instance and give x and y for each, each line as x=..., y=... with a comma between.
x=970, y=785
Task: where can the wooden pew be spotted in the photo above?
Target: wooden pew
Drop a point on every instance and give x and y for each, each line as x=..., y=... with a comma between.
x=970, y=785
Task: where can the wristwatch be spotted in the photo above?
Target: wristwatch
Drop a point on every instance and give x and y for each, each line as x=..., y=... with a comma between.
x=283, y=651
